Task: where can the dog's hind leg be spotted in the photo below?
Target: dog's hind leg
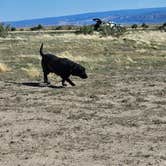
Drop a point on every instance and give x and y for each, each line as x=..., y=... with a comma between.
x=46, y=78
x=70, y=82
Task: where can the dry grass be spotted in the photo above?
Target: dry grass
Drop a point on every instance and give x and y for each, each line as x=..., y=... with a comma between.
x=115, y=117
x=79, y=58
x=146, y=36
x=32, y=72
x=4, y=68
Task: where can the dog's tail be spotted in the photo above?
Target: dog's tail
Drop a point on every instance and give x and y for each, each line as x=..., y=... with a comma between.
x=41, y=50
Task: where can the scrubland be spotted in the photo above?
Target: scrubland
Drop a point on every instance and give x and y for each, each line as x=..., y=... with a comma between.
x=116, y=117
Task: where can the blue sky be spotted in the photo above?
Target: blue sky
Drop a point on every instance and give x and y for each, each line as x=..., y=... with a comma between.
x=11, y=10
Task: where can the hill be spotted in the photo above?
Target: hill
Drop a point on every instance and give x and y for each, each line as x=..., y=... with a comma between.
x=138, y=16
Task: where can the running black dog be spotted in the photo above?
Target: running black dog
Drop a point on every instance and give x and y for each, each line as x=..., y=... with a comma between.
x=62, y=67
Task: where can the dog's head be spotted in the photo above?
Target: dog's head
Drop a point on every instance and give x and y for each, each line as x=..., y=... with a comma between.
x=79, y=71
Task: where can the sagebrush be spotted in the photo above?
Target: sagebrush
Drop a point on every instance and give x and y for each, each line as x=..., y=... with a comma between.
x=4, y=30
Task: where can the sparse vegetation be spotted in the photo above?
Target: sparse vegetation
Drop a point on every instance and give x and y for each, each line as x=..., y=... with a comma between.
x=164, y=24
x=59, y=28
x=4, y=30
x=86, y=30
x=115, y=31
x=144, y=26
x=115, y=117
x=65, y=27
x=163, y=27
x=13, y=29
x=39, y=27
x=134, y=26
x=32, y=72
x=104, y=30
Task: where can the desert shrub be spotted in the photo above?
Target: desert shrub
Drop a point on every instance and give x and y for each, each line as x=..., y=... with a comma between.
x=58, y=28
x=39, y=27
x=134, y=26
x=116, y=30
x=162, y=27
x=145, y=26
x=164, y=24
x=104, y=30
x=4, y=30
x=66, y=27
x=86, y=30
x=13, y=29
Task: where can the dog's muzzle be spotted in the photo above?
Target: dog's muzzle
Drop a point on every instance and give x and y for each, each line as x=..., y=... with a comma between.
x=84, y=76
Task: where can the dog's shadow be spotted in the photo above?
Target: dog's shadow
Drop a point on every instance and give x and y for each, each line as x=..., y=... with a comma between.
x=41, y=85
x=37, y=84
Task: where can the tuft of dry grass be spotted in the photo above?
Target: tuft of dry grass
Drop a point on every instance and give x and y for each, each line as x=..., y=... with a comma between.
x=4, y=68
x=32, y=72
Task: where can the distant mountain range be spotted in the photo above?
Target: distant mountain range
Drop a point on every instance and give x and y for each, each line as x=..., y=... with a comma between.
x=138, y=16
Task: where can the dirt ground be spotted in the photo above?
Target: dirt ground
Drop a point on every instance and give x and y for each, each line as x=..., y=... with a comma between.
x=117, y=117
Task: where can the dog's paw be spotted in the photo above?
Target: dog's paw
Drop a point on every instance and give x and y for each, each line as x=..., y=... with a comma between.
x=64, y=84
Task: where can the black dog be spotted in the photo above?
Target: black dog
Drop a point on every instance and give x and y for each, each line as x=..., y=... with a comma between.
x=62, y=67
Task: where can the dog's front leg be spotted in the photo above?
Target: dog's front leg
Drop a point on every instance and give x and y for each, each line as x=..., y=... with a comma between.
x=63, y=82
x=70, y=82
